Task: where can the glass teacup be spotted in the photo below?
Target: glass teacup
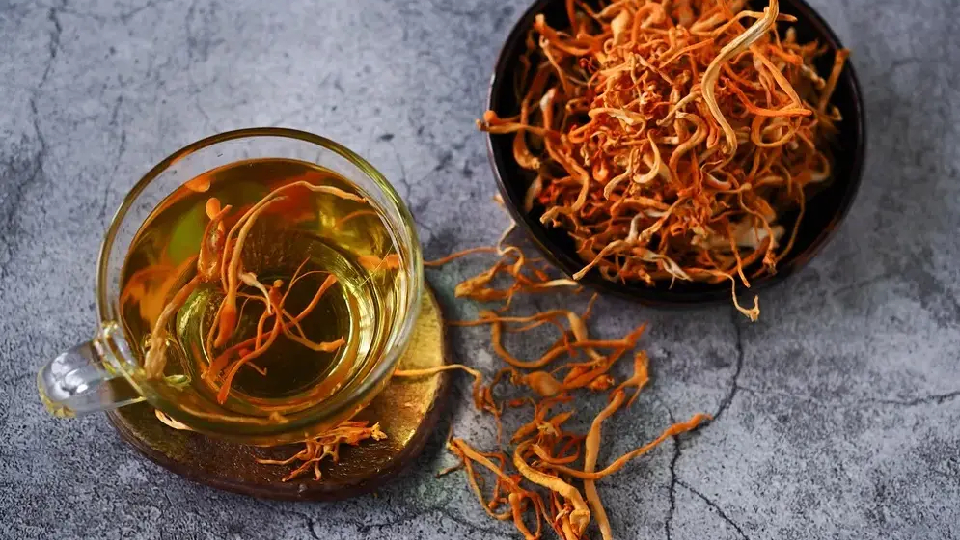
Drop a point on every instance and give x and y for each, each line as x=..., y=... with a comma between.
x=108, y=371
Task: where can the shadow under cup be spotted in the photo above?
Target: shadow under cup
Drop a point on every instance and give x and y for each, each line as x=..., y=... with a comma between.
x=105, y=372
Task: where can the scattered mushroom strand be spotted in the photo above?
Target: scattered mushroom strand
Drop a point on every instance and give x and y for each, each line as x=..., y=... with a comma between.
x=542, y=484
x=326, y=445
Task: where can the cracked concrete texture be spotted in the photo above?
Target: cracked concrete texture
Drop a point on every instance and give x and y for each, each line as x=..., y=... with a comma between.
x=835, y=413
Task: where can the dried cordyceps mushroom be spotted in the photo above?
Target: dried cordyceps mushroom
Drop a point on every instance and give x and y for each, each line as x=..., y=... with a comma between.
x=326, y=445
x=669, y=141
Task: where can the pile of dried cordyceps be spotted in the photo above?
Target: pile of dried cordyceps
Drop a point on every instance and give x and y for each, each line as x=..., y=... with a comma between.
x=668, y=140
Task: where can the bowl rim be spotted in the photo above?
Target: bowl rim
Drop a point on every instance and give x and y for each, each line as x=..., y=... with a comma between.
x=659, y=296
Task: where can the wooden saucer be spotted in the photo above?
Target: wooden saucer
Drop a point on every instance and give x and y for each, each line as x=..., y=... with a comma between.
x=408, y=410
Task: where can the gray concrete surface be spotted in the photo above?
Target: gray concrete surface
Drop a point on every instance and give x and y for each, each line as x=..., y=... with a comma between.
x=836, y=413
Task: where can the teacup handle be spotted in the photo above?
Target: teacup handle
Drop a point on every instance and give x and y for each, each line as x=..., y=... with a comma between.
x=79, y=381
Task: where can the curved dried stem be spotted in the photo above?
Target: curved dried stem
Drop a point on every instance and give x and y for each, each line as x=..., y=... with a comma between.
x=579, y=515
x=590, y=462
x=675, y=429
x=739, y=44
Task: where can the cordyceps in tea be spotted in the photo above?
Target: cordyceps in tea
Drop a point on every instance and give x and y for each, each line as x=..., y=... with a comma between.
x=265, y=285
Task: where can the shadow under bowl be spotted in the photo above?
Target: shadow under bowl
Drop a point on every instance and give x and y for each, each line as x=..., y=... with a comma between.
x=825, y=210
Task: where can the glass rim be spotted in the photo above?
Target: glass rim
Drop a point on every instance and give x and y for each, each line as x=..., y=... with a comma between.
x=405, y=327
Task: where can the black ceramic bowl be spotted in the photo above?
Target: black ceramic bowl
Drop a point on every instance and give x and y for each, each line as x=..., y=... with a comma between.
x=825, y=210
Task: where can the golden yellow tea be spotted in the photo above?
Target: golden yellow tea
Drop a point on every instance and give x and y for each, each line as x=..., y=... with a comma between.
x=261, y=288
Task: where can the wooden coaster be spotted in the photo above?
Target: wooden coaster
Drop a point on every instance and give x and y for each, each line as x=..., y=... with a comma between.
x=408, y=410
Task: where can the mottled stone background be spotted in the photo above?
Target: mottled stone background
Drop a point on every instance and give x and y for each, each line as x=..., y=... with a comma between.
x=836, y=413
